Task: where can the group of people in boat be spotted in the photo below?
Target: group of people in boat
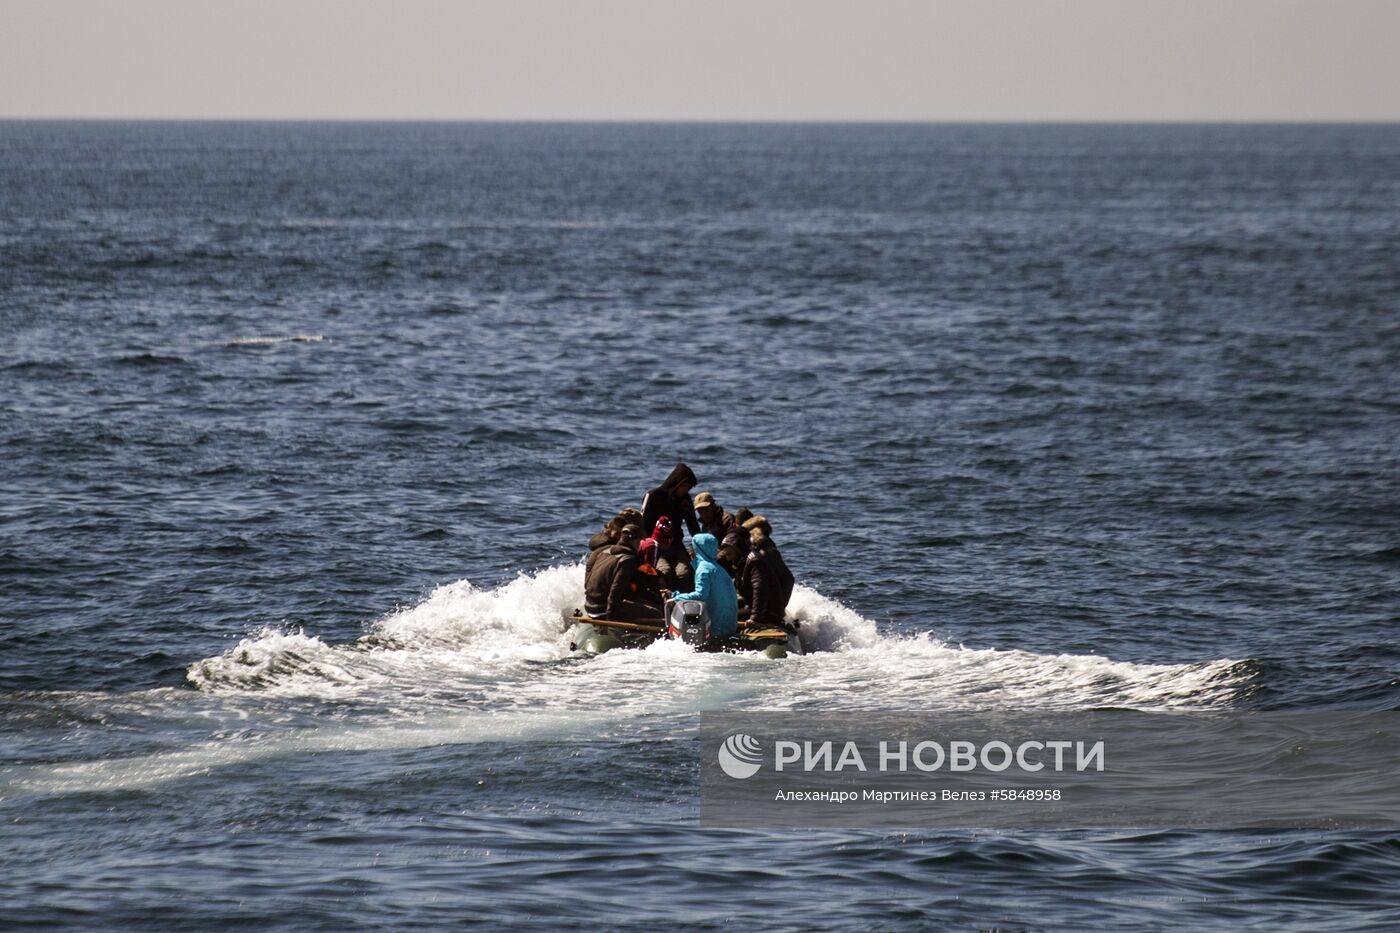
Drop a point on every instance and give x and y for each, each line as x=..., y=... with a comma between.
x=639, y=560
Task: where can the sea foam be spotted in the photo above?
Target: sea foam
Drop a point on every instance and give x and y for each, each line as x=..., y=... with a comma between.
x=509, y=646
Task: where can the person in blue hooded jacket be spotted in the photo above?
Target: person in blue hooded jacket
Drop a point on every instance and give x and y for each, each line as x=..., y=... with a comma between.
x=714, y=588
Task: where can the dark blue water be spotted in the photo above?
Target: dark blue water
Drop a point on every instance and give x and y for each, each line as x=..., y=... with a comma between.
x=1064, y=417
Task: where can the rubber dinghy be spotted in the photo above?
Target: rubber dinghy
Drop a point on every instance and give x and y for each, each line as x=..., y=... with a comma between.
x=685, y=621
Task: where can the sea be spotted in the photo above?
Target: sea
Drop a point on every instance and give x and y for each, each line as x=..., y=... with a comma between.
x=304, y=427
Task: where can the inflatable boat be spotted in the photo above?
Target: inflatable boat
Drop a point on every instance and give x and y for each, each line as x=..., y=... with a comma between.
x=685, y=621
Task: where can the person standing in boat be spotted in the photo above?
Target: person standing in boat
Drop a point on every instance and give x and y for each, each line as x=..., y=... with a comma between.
x=714, y=588
x=766, y=584
x=672, y=499
x=611, y=586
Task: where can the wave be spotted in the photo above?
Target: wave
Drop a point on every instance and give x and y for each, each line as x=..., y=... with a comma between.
x=150, y=359
x=41, y=367
x=508, y=647
x=469, y=665
x=274, y=340
x=138, y=772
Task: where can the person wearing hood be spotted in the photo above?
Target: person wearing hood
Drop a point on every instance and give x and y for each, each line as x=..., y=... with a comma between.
x=714, y=588
x=672, y=499
x=766, y=583
x=610, y=589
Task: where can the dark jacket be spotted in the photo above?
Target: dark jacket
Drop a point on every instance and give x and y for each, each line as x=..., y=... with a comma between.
x=766, y=584
x=648, y=589
x=668, y=500
x=600, y=541
x=608, y=584
x=723, y=525
x=737, y=539
x=597, y=546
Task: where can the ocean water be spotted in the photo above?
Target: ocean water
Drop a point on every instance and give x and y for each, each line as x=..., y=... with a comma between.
x=303, y=427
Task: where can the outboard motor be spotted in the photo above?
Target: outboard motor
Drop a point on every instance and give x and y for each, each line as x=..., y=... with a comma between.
x=688, y=621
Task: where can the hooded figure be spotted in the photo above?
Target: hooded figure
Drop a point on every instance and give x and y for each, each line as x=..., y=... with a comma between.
x=713, y=588
x=672, y=499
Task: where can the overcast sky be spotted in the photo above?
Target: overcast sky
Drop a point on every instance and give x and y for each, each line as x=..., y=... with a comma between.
x=703, y=59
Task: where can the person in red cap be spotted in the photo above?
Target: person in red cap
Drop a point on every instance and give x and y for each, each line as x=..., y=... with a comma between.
x=652, y=585
x=651, y=549
x=658, y=553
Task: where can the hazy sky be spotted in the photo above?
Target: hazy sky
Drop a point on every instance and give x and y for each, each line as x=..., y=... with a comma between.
x=704, y=59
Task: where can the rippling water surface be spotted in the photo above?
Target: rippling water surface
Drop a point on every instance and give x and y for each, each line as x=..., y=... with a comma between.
x=302, y=428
